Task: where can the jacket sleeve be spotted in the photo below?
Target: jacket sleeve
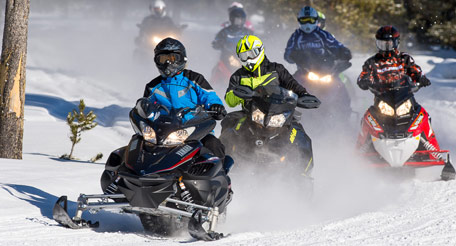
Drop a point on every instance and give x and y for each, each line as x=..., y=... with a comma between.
x=366, y=77
x=219, y=40
x=337, y=49
x=413, y=70
x=206, y=97
x=288, y=82
x=230, y=99
x=151, y=85
x=290, y=50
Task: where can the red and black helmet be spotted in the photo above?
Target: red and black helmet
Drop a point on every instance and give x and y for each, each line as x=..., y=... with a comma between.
x=387, y=38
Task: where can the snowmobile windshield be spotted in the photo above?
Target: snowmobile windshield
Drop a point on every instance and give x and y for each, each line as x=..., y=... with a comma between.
x=273, y=100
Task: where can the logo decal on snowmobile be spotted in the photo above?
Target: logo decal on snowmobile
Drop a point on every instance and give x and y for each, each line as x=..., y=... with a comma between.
x=293, y=135
x=373, y=123
x=417, y=122
x=184, y=150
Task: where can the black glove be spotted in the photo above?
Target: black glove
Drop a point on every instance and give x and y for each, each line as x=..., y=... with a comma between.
x=145, y=107
x=220, y=111
x=364, y=84
x=424, y=82
x=344, y=54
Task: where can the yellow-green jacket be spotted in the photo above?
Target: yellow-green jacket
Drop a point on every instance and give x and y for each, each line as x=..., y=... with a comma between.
x=267, y=73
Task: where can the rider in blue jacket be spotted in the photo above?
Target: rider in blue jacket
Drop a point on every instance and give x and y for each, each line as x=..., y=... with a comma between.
x=311, y=44
x=177, y=87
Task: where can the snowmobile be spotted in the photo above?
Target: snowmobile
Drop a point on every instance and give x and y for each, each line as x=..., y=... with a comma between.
x=164, y=175
x=327, y=82
x=395, y=127
x=149, y=38
x=228, y=62
x=267, y=132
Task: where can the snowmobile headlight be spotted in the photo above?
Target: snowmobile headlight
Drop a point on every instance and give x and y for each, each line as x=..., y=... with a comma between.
x=404, y=108
x=277, y=120
x=326, y=79
x=385, y=108
x=179, y=136
x=155, y=40
x=313, y=76
x=148, y=133
x=258, y=116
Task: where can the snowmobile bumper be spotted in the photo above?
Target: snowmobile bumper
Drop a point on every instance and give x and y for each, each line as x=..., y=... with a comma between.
x=201, y=215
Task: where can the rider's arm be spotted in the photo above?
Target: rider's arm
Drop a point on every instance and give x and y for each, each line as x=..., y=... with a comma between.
x=414, y=71
x=288, y=82
x=219, y=40
x=366, y=77
x=338, y=50
x=206, y=97
x=290, y=50
x=230, y=99
x=151, y=85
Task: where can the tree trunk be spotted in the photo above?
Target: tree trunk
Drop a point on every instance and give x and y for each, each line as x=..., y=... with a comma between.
x=12, y=78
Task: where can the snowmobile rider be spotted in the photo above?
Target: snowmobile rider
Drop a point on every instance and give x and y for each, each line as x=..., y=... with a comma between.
x=228, y=37
x=256, y=71
x=233, y=6
x=390, y=64
x=157, y=21
x=177, y=87
x=311, y=44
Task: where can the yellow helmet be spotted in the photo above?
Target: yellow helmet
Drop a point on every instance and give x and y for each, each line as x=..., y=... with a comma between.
x=250, y=51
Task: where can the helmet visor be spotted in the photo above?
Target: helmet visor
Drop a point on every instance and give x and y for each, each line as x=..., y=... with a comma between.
x=385, y=45
x=305, y=20
x=250, y=54
x=168, y=58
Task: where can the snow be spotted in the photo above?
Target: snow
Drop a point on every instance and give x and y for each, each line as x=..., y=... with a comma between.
x=352, y=205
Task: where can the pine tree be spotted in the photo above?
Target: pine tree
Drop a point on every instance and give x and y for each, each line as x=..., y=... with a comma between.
x=84, y=122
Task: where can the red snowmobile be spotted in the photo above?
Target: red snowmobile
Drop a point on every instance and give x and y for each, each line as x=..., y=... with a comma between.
x=396, y=130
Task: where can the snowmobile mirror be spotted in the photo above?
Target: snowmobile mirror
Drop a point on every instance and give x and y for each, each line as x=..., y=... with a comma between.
x=308, y=101
x=243, y=92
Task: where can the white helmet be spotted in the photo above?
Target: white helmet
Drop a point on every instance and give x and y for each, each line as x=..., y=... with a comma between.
x=308, y=19
x=159, y=8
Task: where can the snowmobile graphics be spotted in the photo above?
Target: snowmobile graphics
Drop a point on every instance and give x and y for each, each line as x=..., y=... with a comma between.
x=394, y=129
x=267, y=132
x=165, y=175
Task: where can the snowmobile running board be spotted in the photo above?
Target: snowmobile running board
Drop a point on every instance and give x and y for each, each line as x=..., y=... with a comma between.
x=60, y=213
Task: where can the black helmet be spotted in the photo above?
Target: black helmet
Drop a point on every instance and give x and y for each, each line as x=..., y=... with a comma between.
x=170, y=57
x=237, y=17
x=387, y=38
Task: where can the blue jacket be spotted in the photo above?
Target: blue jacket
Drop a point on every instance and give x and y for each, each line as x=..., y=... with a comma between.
x=315, y=47
x=180, y=92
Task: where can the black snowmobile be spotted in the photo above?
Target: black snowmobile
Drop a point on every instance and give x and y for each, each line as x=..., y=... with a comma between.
x=165, y=175
x=267, y=132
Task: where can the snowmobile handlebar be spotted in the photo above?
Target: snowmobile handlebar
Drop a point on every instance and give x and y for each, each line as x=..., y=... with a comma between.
x=405, y=81
x=308, y=102
x=243, y=92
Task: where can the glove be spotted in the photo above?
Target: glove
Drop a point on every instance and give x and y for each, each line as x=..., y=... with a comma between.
x=145, y=107
x=220, y=111
x=364, y=84
x=344, y=54
x=424, y=82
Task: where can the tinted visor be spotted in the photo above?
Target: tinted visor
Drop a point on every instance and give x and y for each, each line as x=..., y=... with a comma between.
x=385, y=45
x=168, y=58
x=305, y=20
x=250, y=54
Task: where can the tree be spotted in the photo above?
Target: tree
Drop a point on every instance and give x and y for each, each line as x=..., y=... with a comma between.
x=84, y=123
x=12, y=78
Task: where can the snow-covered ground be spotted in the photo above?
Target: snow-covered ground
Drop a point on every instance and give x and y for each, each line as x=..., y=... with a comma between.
x=352, y=205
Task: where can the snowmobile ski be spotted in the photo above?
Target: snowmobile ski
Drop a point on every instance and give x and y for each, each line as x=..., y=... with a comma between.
x=60, y=214
x=448, y=171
